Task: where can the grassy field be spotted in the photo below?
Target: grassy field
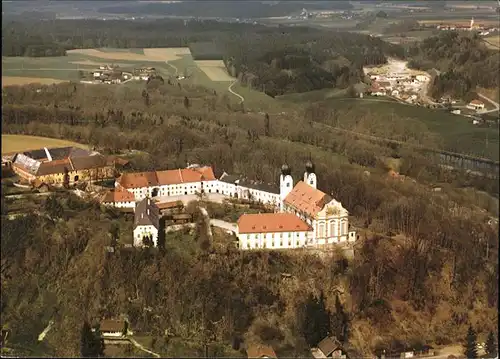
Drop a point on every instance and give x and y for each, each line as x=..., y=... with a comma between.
x=22, y=70
x=457, y=132
x=18, y=143
x=210, y=74
x=19, y=80
x=493, y=42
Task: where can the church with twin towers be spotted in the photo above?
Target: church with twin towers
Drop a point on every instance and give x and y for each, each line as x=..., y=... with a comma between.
x=304, y=215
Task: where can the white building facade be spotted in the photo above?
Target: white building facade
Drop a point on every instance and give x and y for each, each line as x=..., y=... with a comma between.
x=146, y=223
x=272, y=231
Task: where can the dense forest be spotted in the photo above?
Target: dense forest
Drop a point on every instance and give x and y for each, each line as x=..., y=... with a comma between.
x=275, y=61
x=463, y=59
x=301, y=60
x=425, y=268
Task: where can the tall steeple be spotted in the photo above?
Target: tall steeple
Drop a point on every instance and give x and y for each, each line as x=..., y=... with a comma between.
x=286, y=183
x=309, y=174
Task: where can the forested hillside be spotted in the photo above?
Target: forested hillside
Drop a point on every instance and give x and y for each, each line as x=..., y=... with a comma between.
x=269, y=59
x=300, y=60
x=424, y=285
x=464, y=60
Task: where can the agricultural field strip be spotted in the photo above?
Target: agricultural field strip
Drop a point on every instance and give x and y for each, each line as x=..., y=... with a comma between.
x=18, y=80
x=15, y=143
x=215, y=70
x=150, y=55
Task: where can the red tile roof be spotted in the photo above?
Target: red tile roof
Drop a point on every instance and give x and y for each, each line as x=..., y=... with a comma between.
x=307, y=199
x=168, y=177
x=477, y=102
x=109, y=325
x=118, y=196
x=271, y=223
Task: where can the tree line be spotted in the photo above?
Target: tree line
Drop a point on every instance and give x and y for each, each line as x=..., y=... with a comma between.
x=462, y=57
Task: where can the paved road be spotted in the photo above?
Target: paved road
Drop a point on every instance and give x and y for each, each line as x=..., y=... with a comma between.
x=496, y=104
x=213, y=222
x=139, y=346
x=230, y=89
x=174, y=67
x=223, y=224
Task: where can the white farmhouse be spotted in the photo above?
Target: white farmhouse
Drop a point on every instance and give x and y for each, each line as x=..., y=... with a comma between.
x=118, y=198
x=146, y=223
x=113, y=329
x=476, y=105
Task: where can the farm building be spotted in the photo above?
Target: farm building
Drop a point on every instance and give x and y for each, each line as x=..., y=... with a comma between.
x=113, y=329
x=476, y=105
x=64, y=165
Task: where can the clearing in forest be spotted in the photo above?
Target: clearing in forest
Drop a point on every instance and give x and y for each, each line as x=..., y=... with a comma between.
x=493, y=42
x=19, y=143
x=215, y=70
x=18, y=80
x=150, y=55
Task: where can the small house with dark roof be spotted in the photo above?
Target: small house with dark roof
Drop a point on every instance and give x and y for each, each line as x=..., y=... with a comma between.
x=113, y=329
x=330, y=347
x=146, y=223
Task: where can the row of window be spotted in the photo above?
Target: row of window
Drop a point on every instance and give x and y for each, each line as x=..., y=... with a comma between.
x=263, y=245
x=336, y=228
x=275, y=235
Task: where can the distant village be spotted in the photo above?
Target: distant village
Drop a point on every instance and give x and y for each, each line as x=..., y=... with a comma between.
x=403, y=86
x=482, y=29
x=112, y=74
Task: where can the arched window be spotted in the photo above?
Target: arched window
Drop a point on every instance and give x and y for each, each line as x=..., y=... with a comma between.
x=343, y=226
x=321, y=230
x=333, y=228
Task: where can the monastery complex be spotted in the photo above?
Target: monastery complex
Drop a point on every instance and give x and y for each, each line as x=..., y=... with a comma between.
x=304, y=216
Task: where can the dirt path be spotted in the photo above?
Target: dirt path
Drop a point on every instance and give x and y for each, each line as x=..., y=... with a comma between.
x=242, y=99
x=174, y=67
x=139, y=346
x=497, y=105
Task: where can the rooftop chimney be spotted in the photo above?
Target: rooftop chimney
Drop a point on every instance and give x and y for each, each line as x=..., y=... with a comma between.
x=49, y=157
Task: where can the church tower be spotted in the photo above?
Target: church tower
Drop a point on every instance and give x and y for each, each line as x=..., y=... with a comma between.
x=309, y=175
x=286, y=183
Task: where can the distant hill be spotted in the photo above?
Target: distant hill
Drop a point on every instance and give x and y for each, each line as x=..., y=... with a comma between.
x=222, y=9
